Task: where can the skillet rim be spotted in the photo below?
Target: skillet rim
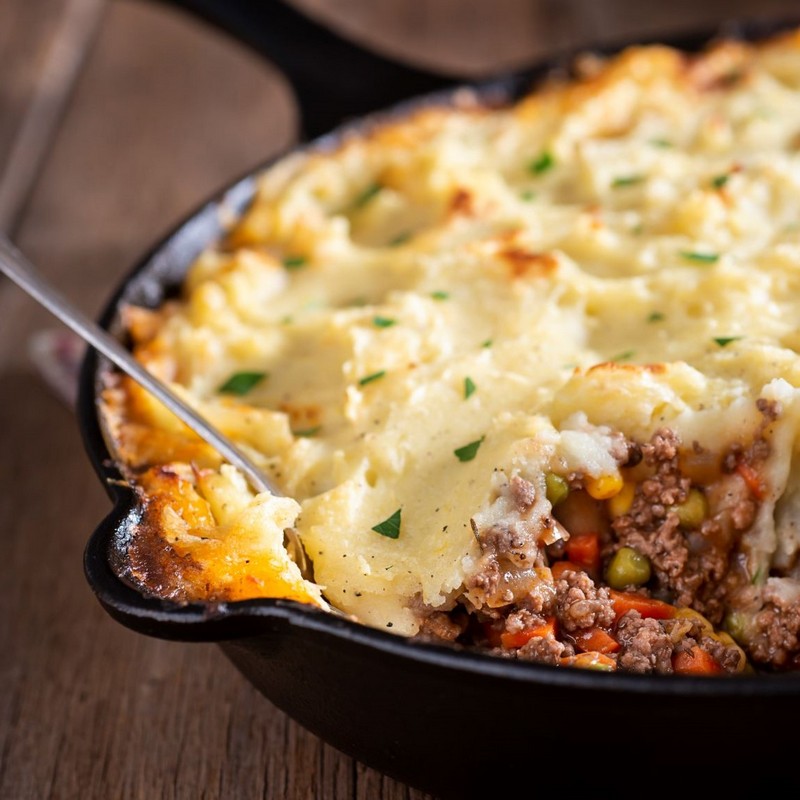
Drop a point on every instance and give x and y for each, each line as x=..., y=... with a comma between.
x=238, y=620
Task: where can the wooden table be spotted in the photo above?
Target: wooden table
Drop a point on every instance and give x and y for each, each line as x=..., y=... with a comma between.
x=115, y=120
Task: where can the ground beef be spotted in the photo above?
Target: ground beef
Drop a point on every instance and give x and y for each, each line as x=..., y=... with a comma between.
x=523, y=493
x=523, y=619
x=441, y=626
x=644, y=645
x=690, y=565
x=580, y=604
x=545, y=650
x=777, y=637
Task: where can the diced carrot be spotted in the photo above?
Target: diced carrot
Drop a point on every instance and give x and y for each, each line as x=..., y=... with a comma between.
x=752, y=479
x=624, y=602
x=597, y=640
x=695, y=661
x=584, y=551
x=514, y=640
x=560, y=567
x=596, y=661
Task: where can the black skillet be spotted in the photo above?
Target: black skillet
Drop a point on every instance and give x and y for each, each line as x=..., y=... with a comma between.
x=453, y=723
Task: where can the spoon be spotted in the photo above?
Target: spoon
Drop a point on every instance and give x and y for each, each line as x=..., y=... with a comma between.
x=21, y=271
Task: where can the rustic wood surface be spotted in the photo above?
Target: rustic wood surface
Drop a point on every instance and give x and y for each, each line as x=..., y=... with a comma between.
x=115, y=120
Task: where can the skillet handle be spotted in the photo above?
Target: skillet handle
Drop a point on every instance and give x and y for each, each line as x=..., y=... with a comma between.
x=333, y=79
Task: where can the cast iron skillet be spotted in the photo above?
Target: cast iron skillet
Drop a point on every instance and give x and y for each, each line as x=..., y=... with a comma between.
x=453, y=723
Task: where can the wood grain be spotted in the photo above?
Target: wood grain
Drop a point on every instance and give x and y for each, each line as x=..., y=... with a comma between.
x=164, y=113
x=42, y=46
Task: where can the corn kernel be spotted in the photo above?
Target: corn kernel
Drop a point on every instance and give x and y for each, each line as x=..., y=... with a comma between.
x=621, y=503
x=604, y=487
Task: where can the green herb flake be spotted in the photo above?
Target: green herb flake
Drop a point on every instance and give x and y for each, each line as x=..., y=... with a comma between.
x=720, y=181
x=306, y=432
x=625, y=355
x=527, y=195
x=724, y=341
x=440, y=295
x=294, y=262
x=390, y=527
x=240, y=383
x=468, y=451
x=664, y=144
x=656, y=316
x=469, y=387
x=383, y=322
x=367, y=195
x=487, y=343
x=542, y=163
x=700, y=258
x=626, y=180
x=401, y=238
x=370, y=378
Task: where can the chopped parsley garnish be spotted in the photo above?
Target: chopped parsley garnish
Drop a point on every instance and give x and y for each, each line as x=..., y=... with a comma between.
x=440, y=295
x=700, y=258
x=720, y=181
x=724, y=341
x=383, y=322
x=240, y=383
x=367, y=195
x=294, y=262
x=542, y=163
x=625, y=355
x=626, y=180
x=401, y=238
x=369, y=378
x=527, y=195
x=469, y=387
x=468, y=451
x=663, y=143
x=308, y=431
x=655, y=316
x=390, y=527
x=487, y=343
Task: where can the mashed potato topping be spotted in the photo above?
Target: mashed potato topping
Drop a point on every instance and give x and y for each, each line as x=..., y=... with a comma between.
x=429, y=334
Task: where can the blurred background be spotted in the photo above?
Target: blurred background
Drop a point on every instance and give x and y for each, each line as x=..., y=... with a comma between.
x=117, y=117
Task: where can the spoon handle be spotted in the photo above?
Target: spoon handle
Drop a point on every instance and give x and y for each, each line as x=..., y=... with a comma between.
x=22, y=272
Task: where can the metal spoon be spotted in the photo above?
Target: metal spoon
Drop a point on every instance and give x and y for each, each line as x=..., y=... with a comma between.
x=22, y=272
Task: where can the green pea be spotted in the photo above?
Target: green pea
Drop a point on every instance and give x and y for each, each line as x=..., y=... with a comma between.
x=735, y=624
x=693, y=510
x=628, y=567
x=557, y=488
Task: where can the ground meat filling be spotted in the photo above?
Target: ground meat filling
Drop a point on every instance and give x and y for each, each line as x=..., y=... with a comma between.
x=553, y=628
x=580, y=604
x=645, y=645
x=684, y=516
x=775, y=638
x=691, y=564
